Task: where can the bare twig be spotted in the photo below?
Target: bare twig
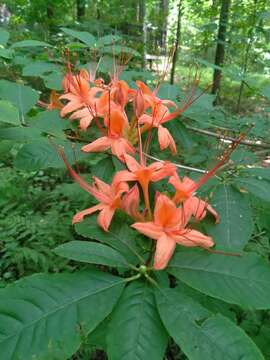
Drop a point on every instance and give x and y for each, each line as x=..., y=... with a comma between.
x=177, y=165
x=224, y=137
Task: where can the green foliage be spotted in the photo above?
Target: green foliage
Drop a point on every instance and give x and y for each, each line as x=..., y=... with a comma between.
x=59, y=308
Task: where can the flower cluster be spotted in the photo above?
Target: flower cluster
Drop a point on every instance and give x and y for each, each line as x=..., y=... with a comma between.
x=109, y=106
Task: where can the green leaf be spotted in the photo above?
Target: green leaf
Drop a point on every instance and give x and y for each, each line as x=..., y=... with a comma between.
x=8, y=113
x=43, y=154
x=243, y=280
x=108, y=40
x=92, y=253
x=45, y=316
x=201, y=334
x=257, y=187
x=236, y=223
x=260, y=173
x=21, y=96
x=23, y=134
x=120, y=236
x=6, y=53
x=39, y=68
x=53, y=81
x=104, y=169
x=4, y=36
x=49, y=122
x=30, y=43
x=83, y=36
x=135, y=330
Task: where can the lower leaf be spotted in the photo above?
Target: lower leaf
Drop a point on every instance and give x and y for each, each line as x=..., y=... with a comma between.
x=45, y=316
x=135, y=331
x=201, y=334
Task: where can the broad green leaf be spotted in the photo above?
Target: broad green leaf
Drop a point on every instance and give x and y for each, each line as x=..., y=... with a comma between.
x=120, y=236
x=259, y=173
x=236, y=223
x=53, y=80
x=200, y=333
x=108, y=40
x=8, y=113
x=45, y=316
x=92, y=253
x=104, y=169
x=135, y=331
x=50, y=122
x=242, y=280
x=4, y=36
x=39, y=68
x=6, y=53
x=83, y=36
x=257, y=187
x=23, y=134
x=21, y=96
x=43, y=154
x=30, y=43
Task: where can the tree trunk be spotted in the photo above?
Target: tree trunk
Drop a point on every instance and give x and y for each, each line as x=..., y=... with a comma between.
x=142, y=21
x=220, y=49
x=176, y=40
x=250, y=38
x=80, y=9
x=164, y=10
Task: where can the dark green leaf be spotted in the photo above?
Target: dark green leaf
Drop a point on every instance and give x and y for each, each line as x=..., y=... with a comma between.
x=135, y=331
x=243, y=280
x=83, y=36
x=120, y=236
x=30, y=43
x=8, y=113
x=201, y=334
x=45, y=316
x=21, y=96
x=257, y=187
x=4, y=36
x=92, y=253
x=236, y=223
x=43, y=154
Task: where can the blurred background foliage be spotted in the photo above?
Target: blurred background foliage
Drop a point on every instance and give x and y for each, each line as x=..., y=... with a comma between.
x=224, y=42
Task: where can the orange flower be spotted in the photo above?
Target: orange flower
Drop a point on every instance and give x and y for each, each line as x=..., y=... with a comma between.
x=192, y=205
x=117, y=127
x=109, y=197
x=144, y=174
x=159, y=115
x=130, y=203
x=151, y=98
x=169, y=229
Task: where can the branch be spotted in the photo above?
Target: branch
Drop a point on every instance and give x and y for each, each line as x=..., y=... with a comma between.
x=220, y=136
x=178, y=165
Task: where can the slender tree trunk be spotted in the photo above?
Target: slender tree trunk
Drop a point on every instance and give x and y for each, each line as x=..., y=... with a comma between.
x=250, y=38
x=80, y=9
x=176, y=40
x=164, y=10
x=142, y=21
x=220, y=49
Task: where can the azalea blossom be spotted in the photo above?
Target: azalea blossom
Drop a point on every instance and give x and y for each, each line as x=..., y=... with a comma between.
x=192, y=205
x=115, y=140
x=145, y=174
x=160, y=115
x=109, y=197
x=168, y=228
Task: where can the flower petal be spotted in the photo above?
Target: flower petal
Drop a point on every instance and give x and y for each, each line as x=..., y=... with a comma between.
x=80, y=215
x=165, y=139
x=164, y=251
x=191, y=238
x=166, y=214
x=149, y=229
x=105, y=217
x=101, y=144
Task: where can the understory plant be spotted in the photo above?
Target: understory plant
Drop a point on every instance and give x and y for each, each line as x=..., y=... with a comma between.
x=155, y=266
